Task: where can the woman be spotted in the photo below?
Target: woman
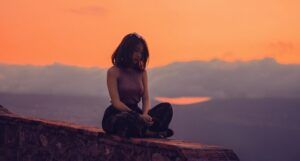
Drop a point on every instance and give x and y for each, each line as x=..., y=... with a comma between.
x=127, y=84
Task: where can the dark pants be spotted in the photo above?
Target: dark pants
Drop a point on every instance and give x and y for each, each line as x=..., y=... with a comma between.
x=130, y=124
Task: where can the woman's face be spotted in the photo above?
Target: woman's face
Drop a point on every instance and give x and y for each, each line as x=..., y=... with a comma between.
x=137, y=54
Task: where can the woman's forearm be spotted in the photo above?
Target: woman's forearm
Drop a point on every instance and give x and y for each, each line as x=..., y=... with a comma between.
x=121, y=106
x=146, y=105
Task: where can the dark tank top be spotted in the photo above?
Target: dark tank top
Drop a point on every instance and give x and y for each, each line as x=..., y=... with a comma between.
x=130, y=86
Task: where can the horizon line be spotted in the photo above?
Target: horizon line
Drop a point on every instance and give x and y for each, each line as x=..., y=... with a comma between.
x=177, y=61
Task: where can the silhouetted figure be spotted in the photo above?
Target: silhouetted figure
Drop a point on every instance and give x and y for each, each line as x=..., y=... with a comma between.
x=127, y=83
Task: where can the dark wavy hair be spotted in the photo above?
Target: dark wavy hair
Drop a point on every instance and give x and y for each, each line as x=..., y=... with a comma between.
x=122, y=56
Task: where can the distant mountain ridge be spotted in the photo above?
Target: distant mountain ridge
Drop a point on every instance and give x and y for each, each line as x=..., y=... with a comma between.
x=220, y=79
x=215, y=78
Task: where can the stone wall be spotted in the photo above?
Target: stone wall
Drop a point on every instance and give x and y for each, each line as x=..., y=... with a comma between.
x=33, y=139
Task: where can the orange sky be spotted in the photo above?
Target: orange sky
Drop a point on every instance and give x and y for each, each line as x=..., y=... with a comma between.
x=183, y=100
x=86, y=32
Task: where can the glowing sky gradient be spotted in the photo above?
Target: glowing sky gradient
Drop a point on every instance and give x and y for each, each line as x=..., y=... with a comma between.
x=85, y=33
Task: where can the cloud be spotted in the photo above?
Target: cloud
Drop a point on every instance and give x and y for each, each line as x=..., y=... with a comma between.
x=89, y=10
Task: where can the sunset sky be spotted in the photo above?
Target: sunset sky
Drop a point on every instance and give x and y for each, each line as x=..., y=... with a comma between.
x=85, y=33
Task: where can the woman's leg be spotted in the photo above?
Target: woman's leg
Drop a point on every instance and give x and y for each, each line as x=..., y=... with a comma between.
x=124, y=124
x=162, y=114
x=127, y=125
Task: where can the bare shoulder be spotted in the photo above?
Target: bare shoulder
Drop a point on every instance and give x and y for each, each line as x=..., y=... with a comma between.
x=145, y=71
x=113, y=70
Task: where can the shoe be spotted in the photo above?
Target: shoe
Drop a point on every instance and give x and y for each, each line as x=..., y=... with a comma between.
x=166, y=133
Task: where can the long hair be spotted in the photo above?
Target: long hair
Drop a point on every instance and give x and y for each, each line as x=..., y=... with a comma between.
x=122, y=56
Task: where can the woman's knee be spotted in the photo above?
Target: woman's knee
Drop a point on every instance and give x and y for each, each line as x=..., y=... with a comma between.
x=167, y=107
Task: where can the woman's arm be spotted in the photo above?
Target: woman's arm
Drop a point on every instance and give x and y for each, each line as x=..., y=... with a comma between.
x=112, y=76
x=145, y=98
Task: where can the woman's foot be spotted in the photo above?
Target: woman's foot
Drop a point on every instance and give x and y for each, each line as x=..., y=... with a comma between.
x=165, y=134
x=150, y=134
x=159, y=134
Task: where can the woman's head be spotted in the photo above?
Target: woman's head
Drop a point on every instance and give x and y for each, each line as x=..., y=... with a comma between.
x=131, y=52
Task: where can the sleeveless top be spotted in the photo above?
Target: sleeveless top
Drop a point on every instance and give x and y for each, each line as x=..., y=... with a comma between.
x=130, y=86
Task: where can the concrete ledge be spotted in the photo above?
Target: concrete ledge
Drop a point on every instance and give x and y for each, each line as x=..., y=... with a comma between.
x=33, y=139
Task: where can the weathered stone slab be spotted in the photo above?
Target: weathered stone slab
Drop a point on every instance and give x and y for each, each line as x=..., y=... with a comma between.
x=34, y=139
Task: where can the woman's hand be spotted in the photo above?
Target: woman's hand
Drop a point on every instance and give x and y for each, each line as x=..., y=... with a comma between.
x=147, y=118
